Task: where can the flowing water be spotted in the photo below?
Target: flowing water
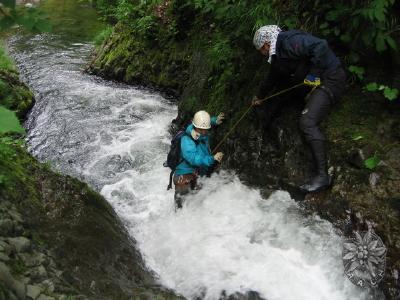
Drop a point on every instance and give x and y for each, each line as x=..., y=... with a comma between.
x=226, y=238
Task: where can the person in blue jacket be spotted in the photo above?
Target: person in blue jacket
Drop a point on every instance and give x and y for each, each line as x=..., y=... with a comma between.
x=195, y=154
x=296, y=56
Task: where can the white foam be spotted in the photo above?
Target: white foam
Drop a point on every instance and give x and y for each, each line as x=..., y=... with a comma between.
x=226, y=238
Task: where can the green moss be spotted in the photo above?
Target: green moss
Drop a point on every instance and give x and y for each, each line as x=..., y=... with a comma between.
x=18, y=267
x=124, y=54
x=5, y=293
x=14, y=166
x=361, y=121
x=14, y=95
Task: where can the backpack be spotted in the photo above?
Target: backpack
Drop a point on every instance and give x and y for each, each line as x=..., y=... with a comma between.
x=174, y=155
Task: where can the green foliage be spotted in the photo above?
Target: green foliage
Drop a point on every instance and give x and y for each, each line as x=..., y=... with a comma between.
x=343, y=19
x=103, y=35
x=145, y=23
x=107, y=9
x=372, y=87
x=6, y=154
x=27, y=17
x=391, y=94
x=6, y=63
x=388, y=93
x=129, y=11
x=138, y=15
x=357, y=137
x=372, y=162
x=18, y=267
x=359, y=72
x=9, y=122
x=220, y=53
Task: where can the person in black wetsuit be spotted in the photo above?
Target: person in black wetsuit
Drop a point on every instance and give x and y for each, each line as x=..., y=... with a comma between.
x=296, y=56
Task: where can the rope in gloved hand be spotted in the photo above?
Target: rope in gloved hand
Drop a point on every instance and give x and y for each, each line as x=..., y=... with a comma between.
x=249, y=108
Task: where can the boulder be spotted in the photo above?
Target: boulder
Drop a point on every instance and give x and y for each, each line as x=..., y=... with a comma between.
x=21, y=244
x=33, y=291
x=6, y=227
x=14, y=285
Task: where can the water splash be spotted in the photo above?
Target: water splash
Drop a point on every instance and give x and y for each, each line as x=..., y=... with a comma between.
x=227, y=237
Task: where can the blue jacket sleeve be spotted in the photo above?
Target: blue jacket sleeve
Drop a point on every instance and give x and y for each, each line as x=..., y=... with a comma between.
x=214, y=121
x=192, y=155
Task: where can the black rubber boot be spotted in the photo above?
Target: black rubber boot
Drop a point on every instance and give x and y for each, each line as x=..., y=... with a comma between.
x=322, y=180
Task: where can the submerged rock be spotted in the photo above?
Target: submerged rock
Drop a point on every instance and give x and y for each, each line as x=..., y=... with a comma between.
x=252, y=295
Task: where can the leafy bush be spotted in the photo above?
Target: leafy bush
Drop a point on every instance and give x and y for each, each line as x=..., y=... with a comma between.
x=357, y=71
x=388, y=93
x=342, y=20
x=9, y=121
x=107, y=9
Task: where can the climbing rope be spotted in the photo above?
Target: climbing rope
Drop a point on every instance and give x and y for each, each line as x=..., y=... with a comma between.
x=249, y=108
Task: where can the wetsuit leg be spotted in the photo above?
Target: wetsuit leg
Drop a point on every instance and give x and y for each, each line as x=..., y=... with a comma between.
x=316, y=109
x=180, y=193
x=314, y=112
x=183, y=185
x=319, y=104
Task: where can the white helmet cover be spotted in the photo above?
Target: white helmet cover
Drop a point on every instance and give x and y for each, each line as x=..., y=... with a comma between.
x=202, y=120
x=268, y=33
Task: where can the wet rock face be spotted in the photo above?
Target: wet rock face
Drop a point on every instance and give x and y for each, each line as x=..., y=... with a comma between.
x=27, y=269
x=127, y=66
x=58, y=238
x=239, y=296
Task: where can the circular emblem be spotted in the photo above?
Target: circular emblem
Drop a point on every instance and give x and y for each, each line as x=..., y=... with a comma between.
x=364, y=259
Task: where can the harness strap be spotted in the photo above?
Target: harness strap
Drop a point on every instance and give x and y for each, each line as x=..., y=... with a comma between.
x=170, y=180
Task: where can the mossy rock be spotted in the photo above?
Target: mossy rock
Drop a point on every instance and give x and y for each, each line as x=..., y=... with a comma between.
x=86, y=238
x=14, y=94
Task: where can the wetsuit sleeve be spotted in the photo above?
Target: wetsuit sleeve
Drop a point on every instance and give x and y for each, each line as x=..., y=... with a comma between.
x=192, y=155
x=269, y=82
